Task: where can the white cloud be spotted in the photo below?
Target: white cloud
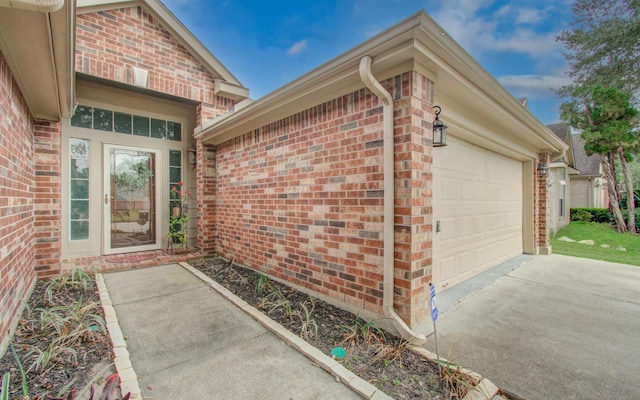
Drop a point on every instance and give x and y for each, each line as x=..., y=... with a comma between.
x=527, y=41
x=528, y=16
x=463, y=20
x=297, y=48
x=533, y=86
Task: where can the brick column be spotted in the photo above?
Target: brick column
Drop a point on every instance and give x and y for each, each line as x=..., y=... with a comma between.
x=206, y=112
x=48, y=198
x=542, y=210
x=413, y=196
x=206, y=197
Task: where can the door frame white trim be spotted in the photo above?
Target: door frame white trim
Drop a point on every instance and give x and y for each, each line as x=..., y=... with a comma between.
x=106, y=205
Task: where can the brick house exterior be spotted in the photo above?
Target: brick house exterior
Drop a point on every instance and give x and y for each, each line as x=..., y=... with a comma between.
x=17, y=218
x=294, y=185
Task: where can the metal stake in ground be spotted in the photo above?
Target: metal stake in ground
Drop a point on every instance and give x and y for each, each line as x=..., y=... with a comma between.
x=434, y=318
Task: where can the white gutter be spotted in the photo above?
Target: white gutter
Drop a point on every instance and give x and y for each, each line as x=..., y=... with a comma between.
x=389, y=198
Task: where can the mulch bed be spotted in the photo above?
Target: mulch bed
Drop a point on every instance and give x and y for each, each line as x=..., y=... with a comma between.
x=81, y=355
x=61, y=341
x=376, y=356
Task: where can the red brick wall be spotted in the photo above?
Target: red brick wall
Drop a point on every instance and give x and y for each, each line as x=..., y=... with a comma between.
x=206, y=197
x=110, y=43
x=541, y=209
x=48, y=200
x=17, y=255
x=413, y=184
x=302, y=198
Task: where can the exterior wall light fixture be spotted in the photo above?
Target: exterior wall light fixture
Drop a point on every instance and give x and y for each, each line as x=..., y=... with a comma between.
x=439, y=129
x=543, y=170
x=193, y=156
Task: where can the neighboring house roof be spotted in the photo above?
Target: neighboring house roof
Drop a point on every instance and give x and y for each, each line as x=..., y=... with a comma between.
x=466, y=92
x=37, y=44
x=563, y=132
x=560, y=129
x=226, y=84
x=587, y=165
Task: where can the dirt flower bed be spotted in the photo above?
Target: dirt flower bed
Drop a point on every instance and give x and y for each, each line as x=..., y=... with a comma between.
x=376, y=356
x=61, y=341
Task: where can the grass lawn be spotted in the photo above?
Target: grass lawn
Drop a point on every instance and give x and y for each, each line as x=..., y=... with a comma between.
x=601, y=234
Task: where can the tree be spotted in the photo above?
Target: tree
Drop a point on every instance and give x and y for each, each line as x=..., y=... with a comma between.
x=603, y=46
x=606, y=117
x=604, y=67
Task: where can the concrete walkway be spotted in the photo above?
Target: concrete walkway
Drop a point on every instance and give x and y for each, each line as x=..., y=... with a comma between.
x=556, y=327
x=188, y=342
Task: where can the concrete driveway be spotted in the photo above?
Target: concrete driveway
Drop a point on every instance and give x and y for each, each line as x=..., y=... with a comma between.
x=556, y=327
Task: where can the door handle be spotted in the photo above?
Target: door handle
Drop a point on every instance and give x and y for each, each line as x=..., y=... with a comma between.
x=106, y=199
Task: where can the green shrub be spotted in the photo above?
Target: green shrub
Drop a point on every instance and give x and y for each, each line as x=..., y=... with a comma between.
x=590, y=215
x=625, y=214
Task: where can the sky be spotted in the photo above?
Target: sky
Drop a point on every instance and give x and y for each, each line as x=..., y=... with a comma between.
x=267, y=44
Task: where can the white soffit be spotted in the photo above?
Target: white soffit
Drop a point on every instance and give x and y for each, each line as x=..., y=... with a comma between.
x=31, y=58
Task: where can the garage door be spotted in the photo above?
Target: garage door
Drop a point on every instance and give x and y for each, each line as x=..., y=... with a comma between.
x=477, y=207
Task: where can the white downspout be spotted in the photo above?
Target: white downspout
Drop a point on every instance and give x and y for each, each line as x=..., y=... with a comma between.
x=389, y=197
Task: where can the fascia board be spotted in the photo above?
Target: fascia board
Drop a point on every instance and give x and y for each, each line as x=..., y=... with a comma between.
x=451, y=59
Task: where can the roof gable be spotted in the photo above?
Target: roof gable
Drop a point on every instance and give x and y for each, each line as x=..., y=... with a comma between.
x=226, y=84
x=587, y=165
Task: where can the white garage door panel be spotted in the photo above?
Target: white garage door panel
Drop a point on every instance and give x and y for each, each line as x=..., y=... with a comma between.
x=478, y=201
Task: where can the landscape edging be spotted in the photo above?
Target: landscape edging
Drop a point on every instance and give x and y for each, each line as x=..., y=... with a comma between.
x=121, y=360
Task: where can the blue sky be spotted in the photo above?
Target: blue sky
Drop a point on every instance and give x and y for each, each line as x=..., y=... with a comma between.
x=267, y=44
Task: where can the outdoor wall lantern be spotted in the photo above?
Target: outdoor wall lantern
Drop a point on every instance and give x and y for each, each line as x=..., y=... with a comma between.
x=543, y=170
x=439, y=129
x=193, y=156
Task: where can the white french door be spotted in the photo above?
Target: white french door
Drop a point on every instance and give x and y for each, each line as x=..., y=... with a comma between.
x=132, y=191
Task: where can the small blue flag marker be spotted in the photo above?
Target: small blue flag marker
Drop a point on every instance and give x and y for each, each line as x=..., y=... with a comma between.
x=432, y=301
x=434, y=318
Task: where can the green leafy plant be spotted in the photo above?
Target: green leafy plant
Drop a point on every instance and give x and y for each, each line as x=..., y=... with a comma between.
x=78, y=279
x=361, y=331
x=54, y=352
x=275, y=301
x=262, y=284
x=6, y=380
x=178, y=217
x=23, y=374
x=308, y=325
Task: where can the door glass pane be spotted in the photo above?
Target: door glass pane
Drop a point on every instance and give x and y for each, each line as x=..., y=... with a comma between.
x=102, y=120
x=174, y=131
x=79, y=189
x=122, y=122
x=158, y=128
x=175, y=171
x=140, y=125
x=83, y=117
x=133, y=203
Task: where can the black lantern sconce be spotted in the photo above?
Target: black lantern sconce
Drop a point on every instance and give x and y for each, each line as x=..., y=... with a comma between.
x=193, y=156
x=543, y=170
x=439, y=129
